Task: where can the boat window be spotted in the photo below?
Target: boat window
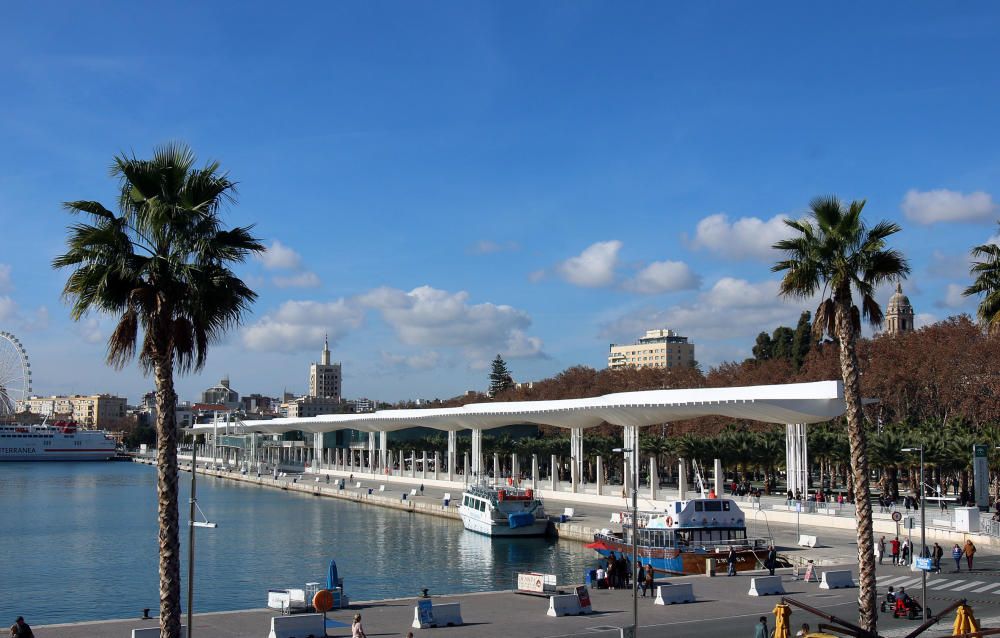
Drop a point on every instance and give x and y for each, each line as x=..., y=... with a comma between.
x=725, y=506
x=713, y=506
x=677, y=508
x=698, y=506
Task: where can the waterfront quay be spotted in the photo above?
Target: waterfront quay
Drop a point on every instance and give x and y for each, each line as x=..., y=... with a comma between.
x=722, y=609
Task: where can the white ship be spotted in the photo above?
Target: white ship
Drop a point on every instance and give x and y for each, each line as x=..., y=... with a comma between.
x=502, y=511
x=61, y=441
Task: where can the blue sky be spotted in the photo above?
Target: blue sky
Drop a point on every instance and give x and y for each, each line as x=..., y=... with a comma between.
x=440, y=182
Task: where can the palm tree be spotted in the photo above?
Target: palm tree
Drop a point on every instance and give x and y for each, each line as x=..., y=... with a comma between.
x=834, y=254
x=987, y=283
x=886, y=451
x=161, y=264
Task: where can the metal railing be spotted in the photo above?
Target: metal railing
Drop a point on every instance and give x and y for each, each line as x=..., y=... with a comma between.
x=990, y=527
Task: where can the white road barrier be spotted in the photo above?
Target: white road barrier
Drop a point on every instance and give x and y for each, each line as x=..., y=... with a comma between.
x=297, y=625
x=836, y=580
x=807, y=541
x=566, y=605
x=446, y=615
x=766, y=586
x=671, y=594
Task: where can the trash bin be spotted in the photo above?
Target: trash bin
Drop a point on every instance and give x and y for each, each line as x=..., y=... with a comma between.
x=710, y=567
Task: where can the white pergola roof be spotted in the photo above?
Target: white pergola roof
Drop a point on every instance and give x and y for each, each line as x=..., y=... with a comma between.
x=788, y=403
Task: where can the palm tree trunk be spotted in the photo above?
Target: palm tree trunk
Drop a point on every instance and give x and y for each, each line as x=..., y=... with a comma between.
x=166, y=494
x=867, y=612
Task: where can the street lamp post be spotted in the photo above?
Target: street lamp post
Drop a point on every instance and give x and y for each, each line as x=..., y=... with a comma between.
x=923, y=530
x=635, y=536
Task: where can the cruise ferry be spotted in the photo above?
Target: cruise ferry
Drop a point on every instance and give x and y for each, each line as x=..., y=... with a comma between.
x=679, y=539
x=60, y=441
x=502, y=511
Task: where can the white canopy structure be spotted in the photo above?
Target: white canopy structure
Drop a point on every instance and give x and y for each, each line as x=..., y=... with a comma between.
x=793, y=404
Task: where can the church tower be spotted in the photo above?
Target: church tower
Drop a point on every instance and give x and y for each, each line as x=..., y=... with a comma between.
x=324, y=377
x=899, y=313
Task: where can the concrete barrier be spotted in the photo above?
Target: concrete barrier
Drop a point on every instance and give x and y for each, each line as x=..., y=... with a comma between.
x=566, y=605
x=297, y=626
x=807, y=541
x=836, y=580
x=671, y=594
x=154, y=632
x=766, y=586
x=446, y=615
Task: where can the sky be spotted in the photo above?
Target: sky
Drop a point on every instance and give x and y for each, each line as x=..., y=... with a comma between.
x=441, y=182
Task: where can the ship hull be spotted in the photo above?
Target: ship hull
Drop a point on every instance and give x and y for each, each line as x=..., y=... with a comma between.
x=673, y=561
x=30, y=443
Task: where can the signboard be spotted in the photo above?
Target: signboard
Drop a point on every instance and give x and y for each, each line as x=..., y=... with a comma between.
x=425, y=612
x=925, y=564
x=908, y=523
x=811, y=573
x=981, y=475
x=536, y=583
x=584, y=596
x=896, y=516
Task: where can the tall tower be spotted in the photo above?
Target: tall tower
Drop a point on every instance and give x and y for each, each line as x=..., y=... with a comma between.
x=324, y=377
x=899, y=313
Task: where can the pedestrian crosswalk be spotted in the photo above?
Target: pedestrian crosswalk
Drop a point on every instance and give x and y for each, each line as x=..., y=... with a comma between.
x=943, y=585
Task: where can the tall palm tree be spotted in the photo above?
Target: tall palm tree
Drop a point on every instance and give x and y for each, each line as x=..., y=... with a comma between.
x=833, y=254
x=987, y=283
x=160, y=265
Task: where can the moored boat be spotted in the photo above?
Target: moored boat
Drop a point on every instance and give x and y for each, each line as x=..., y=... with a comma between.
x=502, y=511
x=60, y=441
x=679, y=539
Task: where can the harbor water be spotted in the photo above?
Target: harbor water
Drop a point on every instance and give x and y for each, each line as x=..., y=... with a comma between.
x=78, y=542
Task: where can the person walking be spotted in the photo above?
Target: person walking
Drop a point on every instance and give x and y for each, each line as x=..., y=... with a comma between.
x=772, y=559
x=894, y=546
x=21, y=629
x=731, y=559
x=956, y=553
x=649, y=581
x=357, y=631
x=969, y=551
x=936, y=554
x=905, y=552
x=760, y=629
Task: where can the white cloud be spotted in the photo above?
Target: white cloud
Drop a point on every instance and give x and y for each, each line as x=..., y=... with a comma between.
x=302, y=325
x=487, y=247
x=536, y=275
x=6, y=284
x=731, y=308
x=419, y=361
x=424, y=317
x=280, y=257
x=948, y=266
x=594, y=267
x=953, y=297
x=430, y=317
x=90, y=330
x=942, y=205
x=923, y=319
x=745, y=238
x=8, y=309
x=306, y=279
x=663, y=276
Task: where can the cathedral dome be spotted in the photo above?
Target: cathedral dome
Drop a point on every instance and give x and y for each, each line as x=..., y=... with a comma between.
x=899, y=302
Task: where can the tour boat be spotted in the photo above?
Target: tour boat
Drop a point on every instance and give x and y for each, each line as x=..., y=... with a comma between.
x=61, y=441
x=502, y=511
x=679, y=539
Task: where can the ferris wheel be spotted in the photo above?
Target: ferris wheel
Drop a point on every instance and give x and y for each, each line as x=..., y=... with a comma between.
x=15, y=373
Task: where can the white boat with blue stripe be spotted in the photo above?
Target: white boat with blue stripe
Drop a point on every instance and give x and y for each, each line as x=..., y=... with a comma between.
x=503, y=511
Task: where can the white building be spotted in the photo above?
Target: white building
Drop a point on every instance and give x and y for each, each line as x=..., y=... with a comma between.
x=324, y=377
x=658, y=349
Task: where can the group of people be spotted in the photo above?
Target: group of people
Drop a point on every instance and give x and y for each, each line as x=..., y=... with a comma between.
x=902, y=553
x=761, y=630
x=616, y=573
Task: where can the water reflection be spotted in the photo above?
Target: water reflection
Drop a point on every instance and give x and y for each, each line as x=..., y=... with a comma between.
x=89, y=531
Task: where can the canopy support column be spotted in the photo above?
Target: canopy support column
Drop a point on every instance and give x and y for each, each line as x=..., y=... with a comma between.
x=477, y=452
x=796, y=457
x=515, y=469
x=371, y=452
x=534, y=471
x=682, y=480
x=600, y=476
x=383, y=444
x=496, y=469
x=554, y=473
x=718, y=479
x=654, y=478
x=576, y=454
x=465, y=468
x=318, y=450
x=437, y=464
x=423, y=470
x=452, y=453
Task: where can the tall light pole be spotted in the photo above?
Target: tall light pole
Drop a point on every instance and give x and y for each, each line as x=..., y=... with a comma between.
x=193, y=523
x=923, y=529
x=635, y=535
